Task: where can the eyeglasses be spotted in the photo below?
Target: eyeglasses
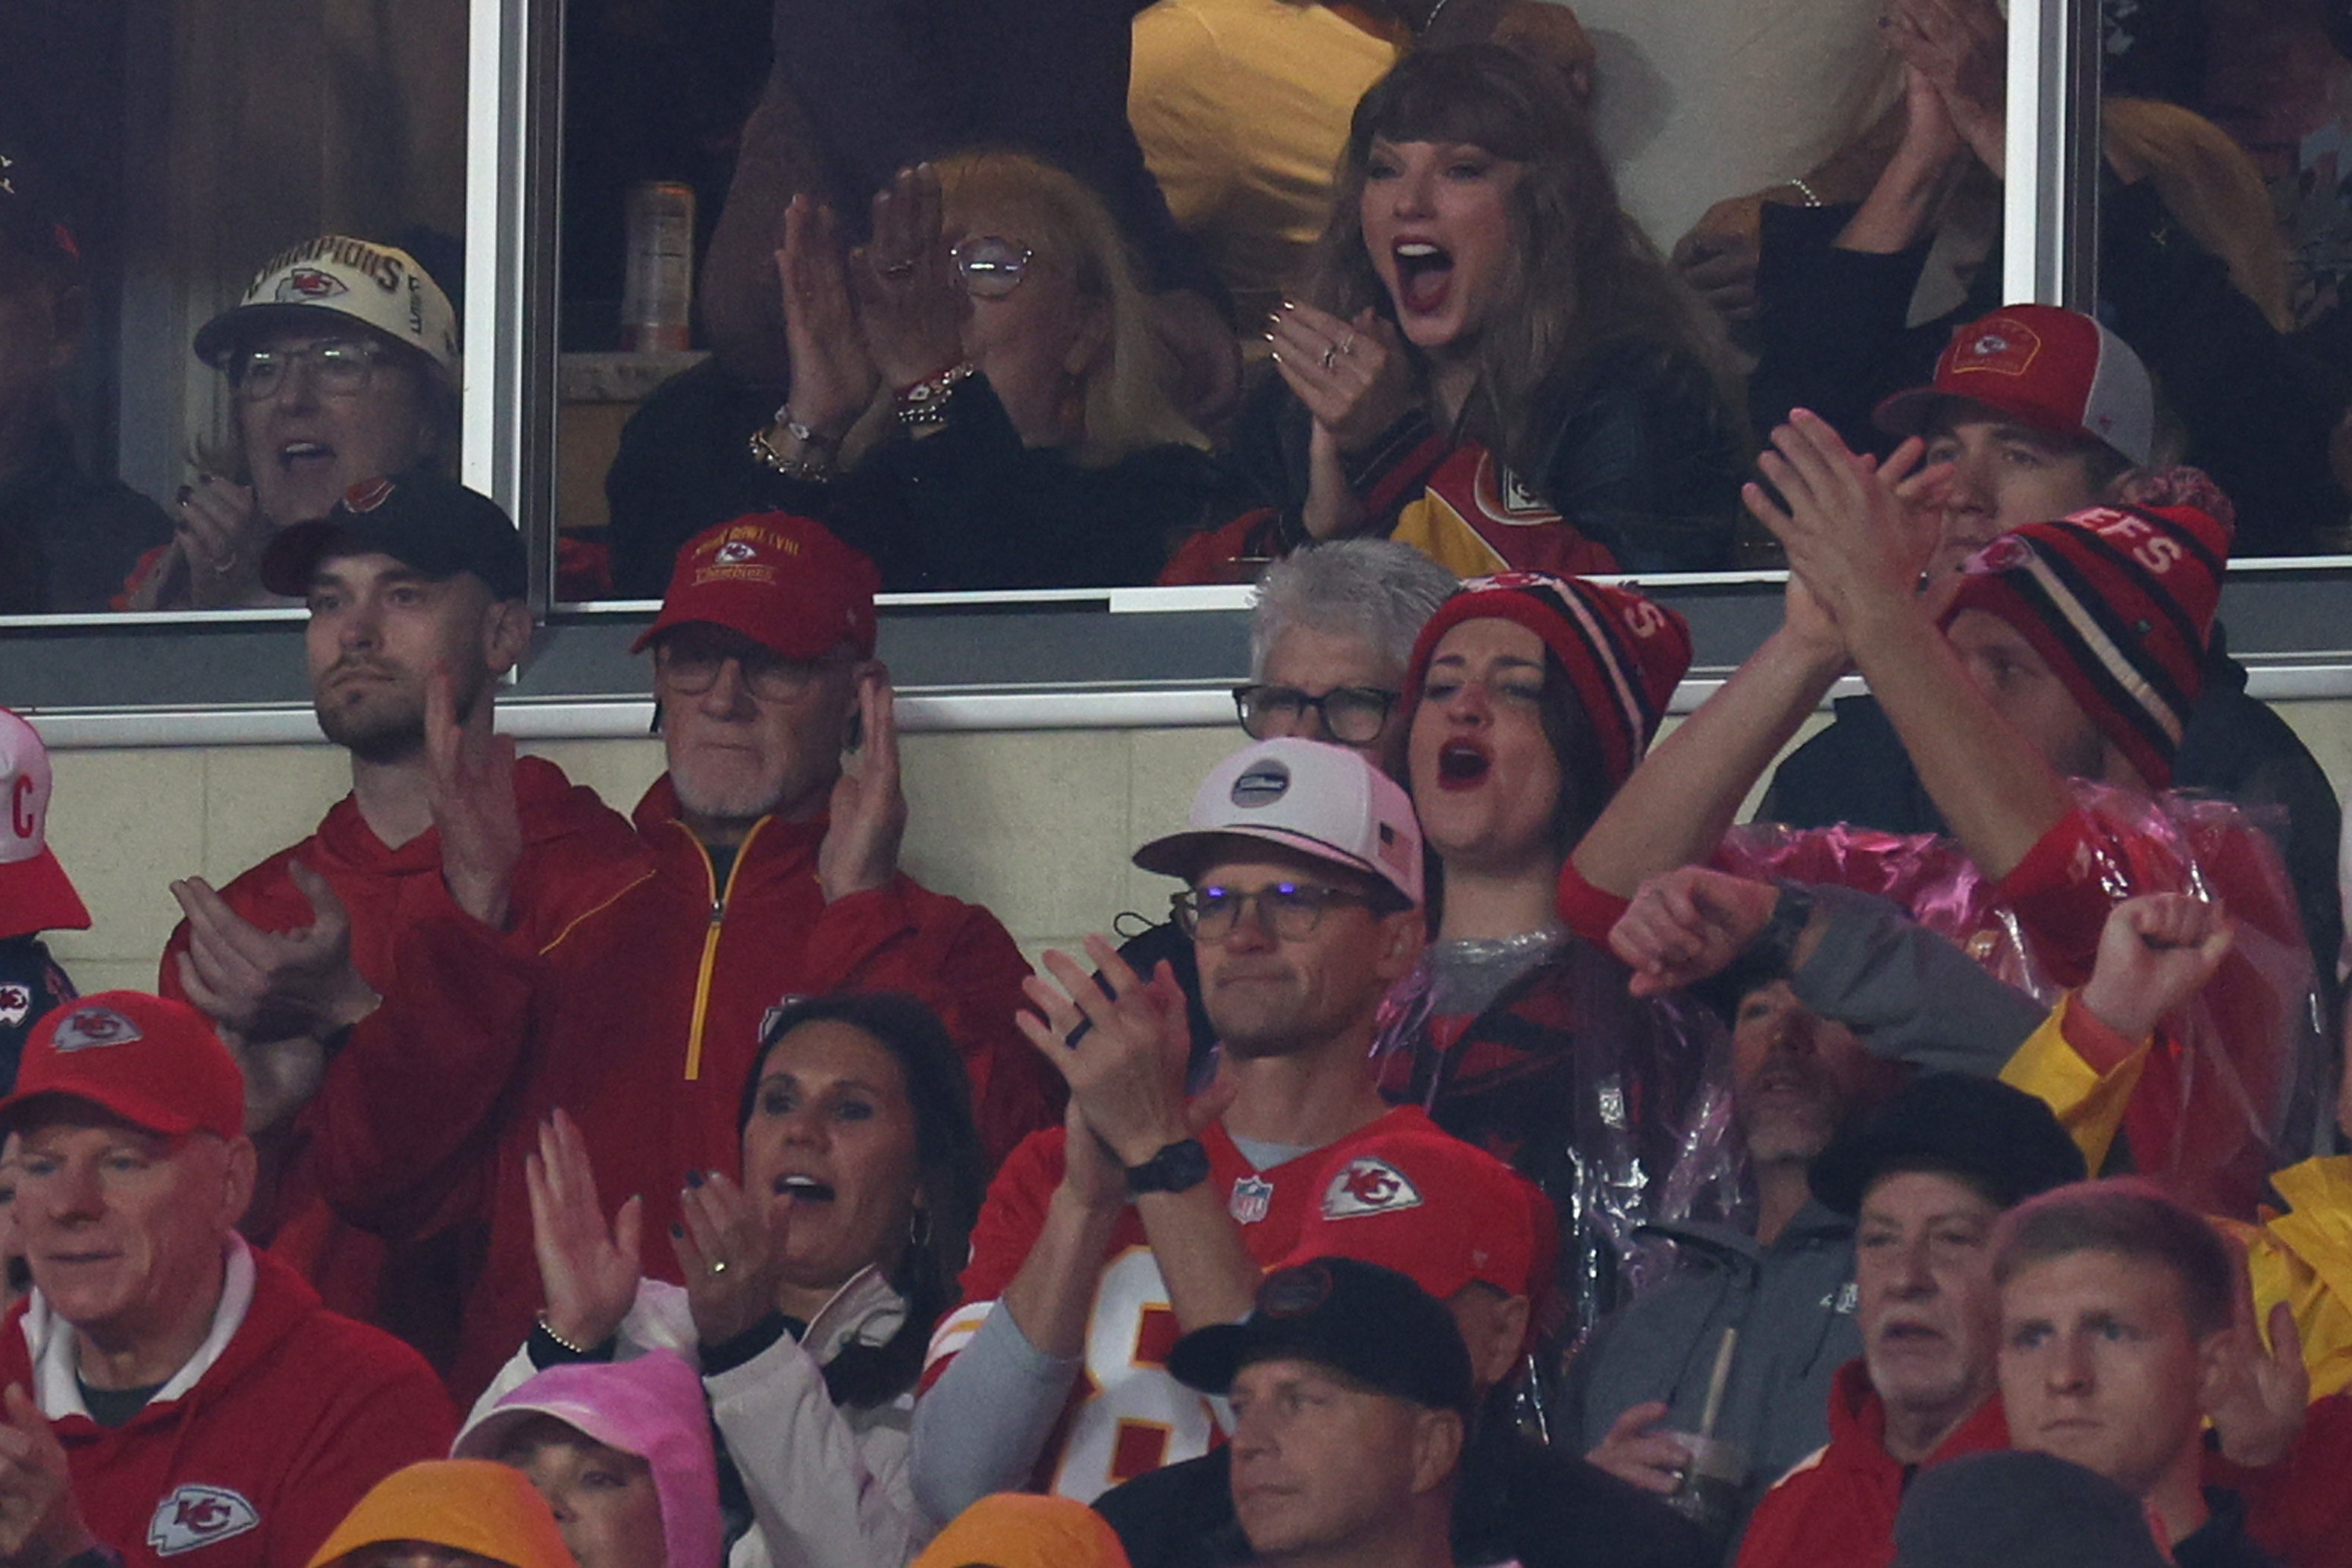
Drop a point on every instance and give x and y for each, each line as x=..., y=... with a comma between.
x=1352, y=714
x=992, y=265
x=1291, y=911
x=691, y=669
x=339, y=368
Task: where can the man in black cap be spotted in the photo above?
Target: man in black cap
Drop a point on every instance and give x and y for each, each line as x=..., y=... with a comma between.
x=1926, y=1179
x=1351, y=1391
x=2017, y=1509
x=416, y=588
x=67, y=539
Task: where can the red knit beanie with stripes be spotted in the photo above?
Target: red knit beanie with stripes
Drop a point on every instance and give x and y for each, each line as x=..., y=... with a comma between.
x=1623, y=654
x=2119, y=602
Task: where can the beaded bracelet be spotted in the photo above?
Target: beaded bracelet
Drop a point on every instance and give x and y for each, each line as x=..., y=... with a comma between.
x=815, y=469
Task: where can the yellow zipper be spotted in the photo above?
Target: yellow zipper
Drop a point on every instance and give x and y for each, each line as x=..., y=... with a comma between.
x=710, y=940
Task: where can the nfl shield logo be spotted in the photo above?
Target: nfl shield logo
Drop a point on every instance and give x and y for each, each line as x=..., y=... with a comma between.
x=1252, y=1195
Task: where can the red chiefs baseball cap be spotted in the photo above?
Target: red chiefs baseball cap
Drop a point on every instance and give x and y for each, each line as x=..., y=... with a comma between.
x=154, y=1062
x=2051, y=369
x=783, y=581
x=35, y=894
x=1437, y=1211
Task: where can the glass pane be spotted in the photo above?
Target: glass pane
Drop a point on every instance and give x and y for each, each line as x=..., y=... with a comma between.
x=170, y=157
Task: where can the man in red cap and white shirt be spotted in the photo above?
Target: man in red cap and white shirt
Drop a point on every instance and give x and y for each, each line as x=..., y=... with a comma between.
x=35, y=894
x=1149, y=1213
x=2042, y=697
x=763, y=870
x=1478, y=1237
x=416, y=588
x=174, y=1393
x=2043, y=412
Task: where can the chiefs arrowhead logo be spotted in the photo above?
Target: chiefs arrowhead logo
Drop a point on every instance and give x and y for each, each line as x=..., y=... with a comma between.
x=87, y=1028
x=15, y=1004
x=193, y=1516
x=734, y=553
x=305, y=284
x=1368, y=1185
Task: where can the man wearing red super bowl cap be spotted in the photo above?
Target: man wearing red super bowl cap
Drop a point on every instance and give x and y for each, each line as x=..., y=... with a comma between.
x=2042, y=702
x=173, y=1393
x=767, y=871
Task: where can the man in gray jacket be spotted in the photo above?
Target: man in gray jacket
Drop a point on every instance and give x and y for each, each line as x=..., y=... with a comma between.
x=1833, y=998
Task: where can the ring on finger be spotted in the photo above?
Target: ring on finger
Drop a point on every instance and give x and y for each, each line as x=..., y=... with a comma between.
x=1330, y=352
x=717, y=1266
x=1349, y=346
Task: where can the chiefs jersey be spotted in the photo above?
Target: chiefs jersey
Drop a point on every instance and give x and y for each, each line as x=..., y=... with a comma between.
x=1127, y=1415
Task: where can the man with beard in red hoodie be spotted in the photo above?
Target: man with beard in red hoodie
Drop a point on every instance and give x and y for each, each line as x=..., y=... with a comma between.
x=416, y=588
x=764, y=871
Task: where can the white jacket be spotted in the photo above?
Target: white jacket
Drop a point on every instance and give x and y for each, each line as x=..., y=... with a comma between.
x=828, y=1485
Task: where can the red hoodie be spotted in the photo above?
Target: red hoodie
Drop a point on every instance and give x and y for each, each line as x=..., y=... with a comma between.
x=642, y=1022
x=287, y=1426
x=1837, y=1508
x=577, y=854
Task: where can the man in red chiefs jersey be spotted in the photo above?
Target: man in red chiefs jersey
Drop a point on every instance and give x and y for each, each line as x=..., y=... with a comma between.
x=1150, y=1214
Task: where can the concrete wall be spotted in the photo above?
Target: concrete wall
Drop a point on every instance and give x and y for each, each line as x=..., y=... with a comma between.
x=1037, y=824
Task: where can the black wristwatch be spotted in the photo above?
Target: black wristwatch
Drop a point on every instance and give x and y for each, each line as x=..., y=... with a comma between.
x=1178, y=1168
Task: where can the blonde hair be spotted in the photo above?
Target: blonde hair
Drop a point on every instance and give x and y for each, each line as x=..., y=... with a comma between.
x=2207, y=182
x=1128, y=407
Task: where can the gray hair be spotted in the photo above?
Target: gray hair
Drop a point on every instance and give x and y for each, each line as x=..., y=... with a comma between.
x=1376, y=589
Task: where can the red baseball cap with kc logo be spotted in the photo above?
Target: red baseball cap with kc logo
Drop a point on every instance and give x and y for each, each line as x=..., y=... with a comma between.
x=783, y=581
x=2050, y=369
x=35, y=892
x=154, y=1062
x=1435, y=1209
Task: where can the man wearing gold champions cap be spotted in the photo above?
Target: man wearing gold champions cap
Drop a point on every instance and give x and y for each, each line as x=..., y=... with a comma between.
x=341, y=362
x=171, y=1390
x=1147, y=1214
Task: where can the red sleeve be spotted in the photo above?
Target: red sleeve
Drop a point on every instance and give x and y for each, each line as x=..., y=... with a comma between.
x=1011, y=1220
x=2299, y=1509
x=390, y=1411
x=2063, y=889
x=1589, y=911
x=961, y=962
x=408, y=1110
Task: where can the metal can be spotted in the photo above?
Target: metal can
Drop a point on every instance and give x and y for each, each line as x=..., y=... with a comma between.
x=657, y=295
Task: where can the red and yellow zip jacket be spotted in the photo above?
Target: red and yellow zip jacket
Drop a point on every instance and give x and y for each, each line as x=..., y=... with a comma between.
x=253, y=1454
x=642, y=1022
x=577, y=854
x=1836, y=1509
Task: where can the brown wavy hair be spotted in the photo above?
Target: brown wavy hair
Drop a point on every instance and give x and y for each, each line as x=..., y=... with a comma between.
x=1581, y=273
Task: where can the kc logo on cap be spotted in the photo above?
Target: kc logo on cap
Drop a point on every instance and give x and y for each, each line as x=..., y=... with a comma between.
x=85, y=1028
x=1367, y=1184
x=308, y=283
x=367, y=495
x=2006, y=346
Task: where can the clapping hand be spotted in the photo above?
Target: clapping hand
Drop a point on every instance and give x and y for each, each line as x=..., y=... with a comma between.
x=272, y=985
x=588, y=1270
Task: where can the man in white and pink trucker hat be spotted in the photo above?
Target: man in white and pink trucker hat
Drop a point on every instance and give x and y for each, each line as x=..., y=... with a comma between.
x=1147, y=1214
x=35, y=894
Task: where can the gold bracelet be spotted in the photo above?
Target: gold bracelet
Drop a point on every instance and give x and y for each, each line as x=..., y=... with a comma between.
x=1804, y=190
x=815, y=469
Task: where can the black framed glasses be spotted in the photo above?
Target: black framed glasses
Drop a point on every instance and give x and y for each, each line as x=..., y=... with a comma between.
x=1350, y=714
x=691, y=668
x=339, y=368
x=1290, y=910
x=992, y=265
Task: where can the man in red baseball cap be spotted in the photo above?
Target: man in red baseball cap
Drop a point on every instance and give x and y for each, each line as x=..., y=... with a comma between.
x=765, y=870
x=172, y=1388
x=2042, y=413
x=2043, y=702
